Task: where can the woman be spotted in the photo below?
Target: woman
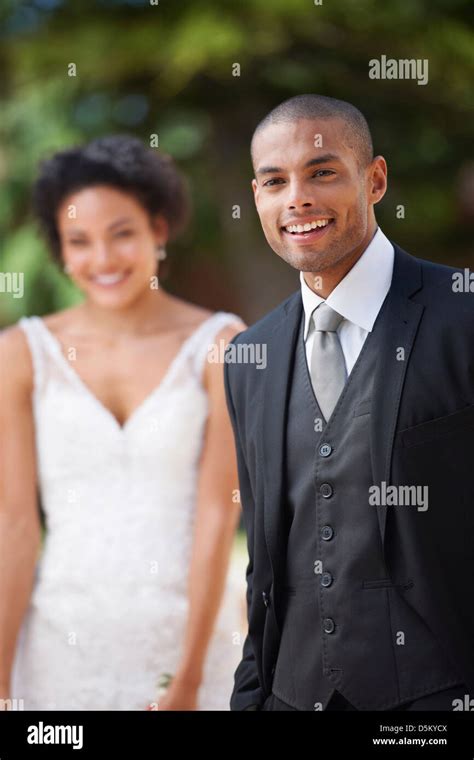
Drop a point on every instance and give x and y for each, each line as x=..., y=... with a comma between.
x=111, y=409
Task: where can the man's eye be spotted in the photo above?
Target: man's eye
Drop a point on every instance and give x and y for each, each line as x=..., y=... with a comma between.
x=270, y=182
x=323, y=172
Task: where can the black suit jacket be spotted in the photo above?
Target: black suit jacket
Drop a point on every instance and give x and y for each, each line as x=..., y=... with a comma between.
x=422, y=433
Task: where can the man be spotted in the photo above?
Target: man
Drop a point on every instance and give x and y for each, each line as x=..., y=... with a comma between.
x=354, y=444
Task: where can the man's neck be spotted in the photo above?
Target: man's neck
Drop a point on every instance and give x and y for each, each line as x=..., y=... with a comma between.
x=323, y=283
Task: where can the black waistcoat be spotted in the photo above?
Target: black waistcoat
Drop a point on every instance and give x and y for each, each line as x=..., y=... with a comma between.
x=347, y=625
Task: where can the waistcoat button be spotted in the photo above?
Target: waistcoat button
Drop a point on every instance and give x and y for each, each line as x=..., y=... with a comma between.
x=325, y=449
x=327, y=533
x=329, y=625
x=326, y=490
x=326, y=579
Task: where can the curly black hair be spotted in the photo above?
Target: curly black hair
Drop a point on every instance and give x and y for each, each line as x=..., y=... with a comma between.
x=120, y=161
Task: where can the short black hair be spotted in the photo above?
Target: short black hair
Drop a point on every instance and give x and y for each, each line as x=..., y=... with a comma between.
x=120, y=161
x=357, y=132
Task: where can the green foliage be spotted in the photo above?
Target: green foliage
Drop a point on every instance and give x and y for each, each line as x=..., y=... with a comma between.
x=167, y=69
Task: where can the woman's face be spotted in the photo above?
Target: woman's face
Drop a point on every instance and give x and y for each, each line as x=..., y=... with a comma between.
x=108, y=244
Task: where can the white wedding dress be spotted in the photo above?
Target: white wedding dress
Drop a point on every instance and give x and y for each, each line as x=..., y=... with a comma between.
x=109, y=606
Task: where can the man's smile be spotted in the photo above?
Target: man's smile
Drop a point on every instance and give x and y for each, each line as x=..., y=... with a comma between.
x=307, y=230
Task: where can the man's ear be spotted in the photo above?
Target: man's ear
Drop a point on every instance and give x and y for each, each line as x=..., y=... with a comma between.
x=377, y=177
x=255, y=189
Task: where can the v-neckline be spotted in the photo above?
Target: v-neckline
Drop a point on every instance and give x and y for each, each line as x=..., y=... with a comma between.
x=166, y=379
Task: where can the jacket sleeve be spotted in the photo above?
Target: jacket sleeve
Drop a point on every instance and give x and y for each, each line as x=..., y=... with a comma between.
x=247, y=689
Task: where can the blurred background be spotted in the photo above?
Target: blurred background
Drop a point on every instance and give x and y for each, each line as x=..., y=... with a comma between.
x=166, y=68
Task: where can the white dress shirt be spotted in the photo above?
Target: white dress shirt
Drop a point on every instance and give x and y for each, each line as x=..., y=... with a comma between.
x=358, y=297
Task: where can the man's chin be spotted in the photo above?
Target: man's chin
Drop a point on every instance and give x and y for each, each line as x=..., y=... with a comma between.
x=308, y=261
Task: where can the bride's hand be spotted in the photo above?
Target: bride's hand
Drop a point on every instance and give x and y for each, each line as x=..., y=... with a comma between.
x=178, y=696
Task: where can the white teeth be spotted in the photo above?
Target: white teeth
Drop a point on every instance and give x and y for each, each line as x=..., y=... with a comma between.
x=308, y=226
x=109, y=279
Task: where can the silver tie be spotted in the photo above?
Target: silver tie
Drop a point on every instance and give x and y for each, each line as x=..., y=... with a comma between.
x=328, y=368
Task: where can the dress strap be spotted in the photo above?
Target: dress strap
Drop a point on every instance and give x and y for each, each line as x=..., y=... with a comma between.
x=34, y=338
x=203, y=340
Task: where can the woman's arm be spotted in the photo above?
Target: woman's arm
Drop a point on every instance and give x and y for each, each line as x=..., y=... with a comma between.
x=217, y=516
x=20, y=527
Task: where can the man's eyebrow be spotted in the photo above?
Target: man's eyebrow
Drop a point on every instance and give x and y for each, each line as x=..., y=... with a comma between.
x=325, y=159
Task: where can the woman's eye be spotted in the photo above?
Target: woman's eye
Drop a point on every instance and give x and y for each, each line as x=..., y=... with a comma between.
x=77, y=242
x=124, y=233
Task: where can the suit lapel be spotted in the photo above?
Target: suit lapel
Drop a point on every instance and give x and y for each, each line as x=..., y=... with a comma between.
x=401, y=322
x=280, y=356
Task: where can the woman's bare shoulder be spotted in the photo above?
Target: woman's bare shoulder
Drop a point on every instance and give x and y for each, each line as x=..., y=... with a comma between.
x=15, y=353
x=212, y=378
x=194, y=315
x=16, y=361
x=186, y=315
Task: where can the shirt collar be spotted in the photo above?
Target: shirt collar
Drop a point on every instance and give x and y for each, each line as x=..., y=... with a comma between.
x=361, y=292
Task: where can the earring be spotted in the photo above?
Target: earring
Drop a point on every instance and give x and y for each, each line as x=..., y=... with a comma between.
x=160, y=252
x=66, y=269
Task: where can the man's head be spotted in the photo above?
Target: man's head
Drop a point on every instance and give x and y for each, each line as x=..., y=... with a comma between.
x=314, y=165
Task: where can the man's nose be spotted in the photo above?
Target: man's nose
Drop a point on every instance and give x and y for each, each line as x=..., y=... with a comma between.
x=299, y=196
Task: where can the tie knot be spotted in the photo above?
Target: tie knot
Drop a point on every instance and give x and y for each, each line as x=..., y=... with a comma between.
x=326, y=319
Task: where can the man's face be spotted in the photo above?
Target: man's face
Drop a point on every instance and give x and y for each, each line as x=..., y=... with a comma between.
x=297, y=184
